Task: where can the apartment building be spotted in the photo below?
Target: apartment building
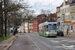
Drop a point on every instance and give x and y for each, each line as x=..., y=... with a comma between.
x=22, y=27
x=65, y=15
x=31, y=27
x=35, y=25
x=41, y=18
x=26, y=27
x=72, y=12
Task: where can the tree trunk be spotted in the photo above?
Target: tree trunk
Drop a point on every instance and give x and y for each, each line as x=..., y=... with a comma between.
x=5, y=18
x=1, y=20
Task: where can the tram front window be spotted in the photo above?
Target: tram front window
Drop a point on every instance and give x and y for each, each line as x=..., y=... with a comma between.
x=52, y=27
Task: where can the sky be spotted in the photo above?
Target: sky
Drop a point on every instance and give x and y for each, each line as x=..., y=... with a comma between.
x=50, y=5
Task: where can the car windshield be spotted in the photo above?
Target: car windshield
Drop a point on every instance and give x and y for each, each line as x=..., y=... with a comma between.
x=59, y=31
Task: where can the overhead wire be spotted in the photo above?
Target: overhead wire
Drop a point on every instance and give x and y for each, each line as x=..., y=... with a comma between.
x=40, y=4
x=50, y=5
x=36, y=3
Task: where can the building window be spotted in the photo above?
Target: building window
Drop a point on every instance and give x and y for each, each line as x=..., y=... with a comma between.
x=71, y=27
x=71, y=16
x=73, y=9
x=74, y=16
x=63, y=17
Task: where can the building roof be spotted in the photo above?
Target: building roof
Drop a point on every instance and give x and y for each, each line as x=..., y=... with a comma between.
x=41, y=15
x=66, y=2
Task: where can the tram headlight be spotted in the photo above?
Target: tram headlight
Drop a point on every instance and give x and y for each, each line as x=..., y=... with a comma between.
x=47, y=32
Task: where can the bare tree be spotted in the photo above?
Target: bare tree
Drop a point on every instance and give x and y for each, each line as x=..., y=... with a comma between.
x=11, y=7
x=1, y=19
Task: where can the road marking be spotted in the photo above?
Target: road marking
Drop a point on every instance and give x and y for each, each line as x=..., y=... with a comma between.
x=54, y=41
x=34, y=43
x=60, y=38
x=64, y=40
x=67, y=40
x=72, y=41
x=65, y=46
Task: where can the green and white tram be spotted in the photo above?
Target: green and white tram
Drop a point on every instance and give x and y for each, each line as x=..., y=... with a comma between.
x=48, y=29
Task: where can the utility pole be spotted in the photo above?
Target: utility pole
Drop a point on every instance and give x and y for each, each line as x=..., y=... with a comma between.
x=5, y=12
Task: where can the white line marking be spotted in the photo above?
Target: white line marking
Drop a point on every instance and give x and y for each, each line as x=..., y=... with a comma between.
x=34, y=43
x=65, y=46
x=54, y=41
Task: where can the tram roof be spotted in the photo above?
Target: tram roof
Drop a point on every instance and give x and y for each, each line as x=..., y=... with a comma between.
x=41, y=24
x=46, y=23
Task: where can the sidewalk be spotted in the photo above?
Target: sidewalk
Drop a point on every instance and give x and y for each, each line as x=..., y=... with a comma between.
x=71, y=34
x=5, y=43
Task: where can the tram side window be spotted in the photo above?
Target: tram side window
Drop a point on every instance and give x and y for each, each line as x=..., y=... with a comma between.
x=46, y=27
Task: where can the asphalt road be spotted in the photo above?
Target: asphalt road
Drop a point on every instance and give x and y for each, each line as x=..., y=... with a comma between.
x=32, y=41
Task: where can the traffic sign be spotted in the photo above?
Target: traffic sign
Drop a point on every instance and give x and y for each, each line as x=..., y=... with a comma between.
x=63, y=25
x=67, y=23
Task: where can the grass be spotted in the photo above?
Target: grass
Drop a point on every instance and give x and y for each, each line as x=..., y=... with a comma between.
x=4, y=38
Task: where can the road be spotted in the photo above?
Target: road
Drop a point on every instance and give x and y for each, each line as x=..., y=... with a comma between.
x=32, y=41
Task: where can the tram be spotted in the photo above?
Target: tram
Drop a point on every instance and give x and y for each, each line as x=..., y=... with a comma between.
x=48, y=29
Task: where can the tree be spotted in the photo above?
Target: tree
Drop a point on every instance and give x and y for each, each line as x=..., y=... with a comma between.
x=15, y=19
x=1, y=19
x=12, y=8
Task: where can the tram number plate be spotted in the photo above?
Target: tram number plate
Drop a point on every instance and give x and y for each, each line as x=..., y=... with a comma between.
x=52, y=30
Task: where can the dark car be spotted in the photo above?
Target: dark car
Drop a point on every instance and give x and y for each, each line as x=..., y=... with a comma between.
x=60, y=33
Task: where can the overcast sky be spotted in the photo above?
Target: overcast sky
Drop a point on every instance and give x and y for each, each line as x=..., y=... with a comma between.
x=50, y=5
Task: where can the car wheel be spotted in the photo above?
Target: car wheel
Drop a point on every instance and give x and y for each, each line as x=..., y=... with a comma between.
x=62, y=35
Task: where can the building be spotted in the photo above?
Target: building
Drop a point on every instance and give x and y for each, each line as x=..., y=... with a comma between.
x=31, y=27
x=52, y=17
x=72, y=12
x=26, y=27
x=35, y=25
x=65, y=15
x=40, y=19
x=22, y=27
x=58, y=17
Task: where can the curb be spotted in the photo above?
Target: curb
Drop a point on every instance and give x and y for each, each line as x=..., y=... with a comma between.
x=9, y=45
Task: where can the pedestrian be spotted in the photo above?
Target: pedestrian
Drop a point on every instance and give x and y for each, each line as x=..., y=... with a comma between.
x=67, y=31
x=14, y=32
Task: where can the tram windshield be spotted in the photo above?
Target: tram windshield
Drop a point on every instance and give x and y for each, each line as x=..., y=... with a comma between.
x=51, y=27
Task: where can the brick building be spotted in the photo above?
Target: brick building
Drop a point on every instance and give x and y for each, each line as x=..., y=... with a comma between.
x=40, y=19
x=35, y=25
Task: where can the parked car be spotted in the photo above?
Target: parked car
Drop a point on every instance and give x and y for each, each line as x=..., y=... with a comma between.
x=60, y=33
